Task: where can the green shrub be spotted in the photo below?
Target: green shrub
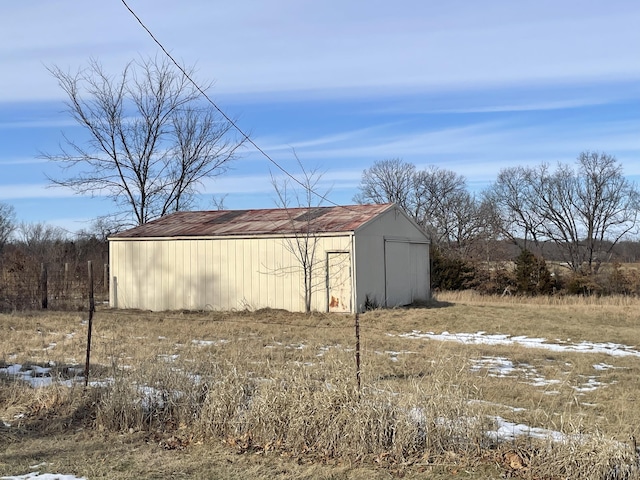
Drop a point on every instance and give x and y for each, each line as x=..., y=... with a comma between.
x=532, y=275
x=450, y=273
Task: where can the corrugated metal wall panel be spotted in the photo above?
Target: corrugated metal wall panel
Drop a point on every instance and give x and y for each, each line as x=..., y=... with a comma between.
x=370, y=259
x=421, y=272
x=216, y=274
x=397, y=263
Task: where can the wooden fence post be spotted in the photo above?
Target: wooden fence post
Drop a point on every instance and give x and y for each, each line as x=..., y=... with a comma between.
x=44, y=302
x=358, y=351
x=65, y=285
x=92, y=307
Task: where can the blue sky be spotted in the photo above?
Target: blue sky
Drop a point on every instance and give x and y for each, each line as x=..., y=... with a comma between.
x=469, y=86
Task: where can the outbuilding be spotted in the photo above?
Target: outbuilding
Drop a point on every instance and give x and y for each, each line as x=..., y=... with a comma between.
x=337, y=259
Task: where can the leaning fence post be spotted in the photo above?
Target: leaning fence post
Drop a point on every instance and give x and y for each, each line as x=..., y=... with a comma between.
x=92, y=307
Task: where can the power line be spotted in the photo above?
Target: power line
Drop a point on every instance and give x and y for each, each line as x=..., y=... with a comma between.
x=224, y=115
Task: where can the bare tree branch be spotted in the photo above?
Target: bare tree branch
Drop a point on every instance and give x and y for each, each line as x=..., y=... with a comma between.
x=151, y=143
x=584, y=211
x=305, y=239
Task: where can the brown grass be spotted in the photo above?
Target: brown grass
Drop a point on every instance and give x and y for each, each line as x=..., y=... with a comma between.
x=280, y=389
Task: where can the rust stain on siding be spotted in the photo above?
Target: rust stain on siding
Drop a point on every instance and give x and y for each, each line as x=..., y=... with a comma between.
x=335, y=302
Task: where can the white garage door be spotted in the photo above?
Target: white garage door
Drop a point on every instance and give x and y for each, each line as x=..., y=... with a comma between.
x=398, y=272
x=407, y=272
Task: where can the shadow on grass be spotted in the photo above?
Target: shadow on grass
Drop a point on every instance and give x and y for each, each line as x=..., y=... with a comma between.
x=429, y=305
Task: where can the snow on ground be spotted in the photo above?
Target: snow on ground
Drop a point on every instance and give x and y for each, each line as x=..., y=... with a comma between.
x=38, y=376
x=614, y=349
x=393, y=355
x=43, y=476
x=501, y=367
x=209, y=343
x=508, y=431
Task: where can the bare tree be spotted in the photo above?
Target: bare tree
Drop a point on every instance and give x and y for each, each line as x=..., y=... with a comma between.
x=436, y=198
x=390, y=181
x=7, y=223
x=151, y=142
x=584, y=211
x=101, y=229
x=511, y=197
x=40, y=240
x=303, y=244
x=444, y=205
x=218, y=201
x=464, y=223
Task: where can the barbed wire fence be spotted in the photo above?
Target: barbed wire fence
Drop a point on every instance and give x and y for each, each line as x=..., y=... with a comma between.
x=51, y=286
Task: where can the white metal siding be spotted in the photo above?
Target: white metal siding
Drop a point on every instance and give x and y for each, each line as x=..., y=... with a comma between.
x=370, y=261
x=262, y=272
x=397, y=263
x=339, y=281
x=216, y=274
x=420, y=271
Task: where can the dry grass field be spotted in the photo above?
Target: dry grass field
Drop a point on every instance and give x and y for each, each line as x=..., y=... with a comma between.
x=467, y=387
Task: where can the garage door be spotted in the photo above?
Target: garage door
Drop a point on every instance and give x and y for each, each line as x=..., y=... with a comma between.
x=407, y=272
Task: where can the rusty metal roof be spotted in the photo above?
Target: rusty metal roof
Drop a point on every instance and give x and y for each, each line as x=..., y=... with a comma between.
x=278, y=221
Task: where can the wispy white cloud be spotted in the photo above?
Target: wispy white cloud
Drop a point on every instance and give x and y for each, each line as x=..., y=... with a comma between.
x=6, y=161
x=59, y=122
x=330, y=46
x=479, y=150
x=32, y=190
x=467, y=86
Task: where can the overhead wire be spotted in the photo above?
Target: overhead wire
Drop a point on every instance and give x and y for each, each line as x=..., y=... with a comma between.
x=244, y=135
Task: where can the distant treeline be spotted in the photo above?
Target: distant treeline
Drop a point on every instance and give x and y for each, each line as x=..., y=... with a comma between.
x=42, y=267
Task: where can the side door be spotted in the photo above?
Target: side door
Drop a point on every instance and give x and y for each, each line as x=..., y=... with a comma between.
x=339, y=281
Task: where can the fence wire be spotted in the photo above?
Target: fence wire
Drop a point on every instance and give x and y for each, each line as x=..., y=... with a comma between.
x=50, y=286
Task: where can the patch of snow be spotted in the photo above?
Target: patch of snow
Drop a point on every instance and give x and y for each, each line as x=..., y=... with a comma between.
x=44, y=476
x=393, y=354
x=603, y=366
x=589, y=386
x=543, y=382
x=37, y=376
x=41, y=371
x=209, y=343
x=156, y=398
x=509, y=431
x=11, y=369
x=496, y=366
x=609, y=348
x=169, y=358
x=501, y=367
